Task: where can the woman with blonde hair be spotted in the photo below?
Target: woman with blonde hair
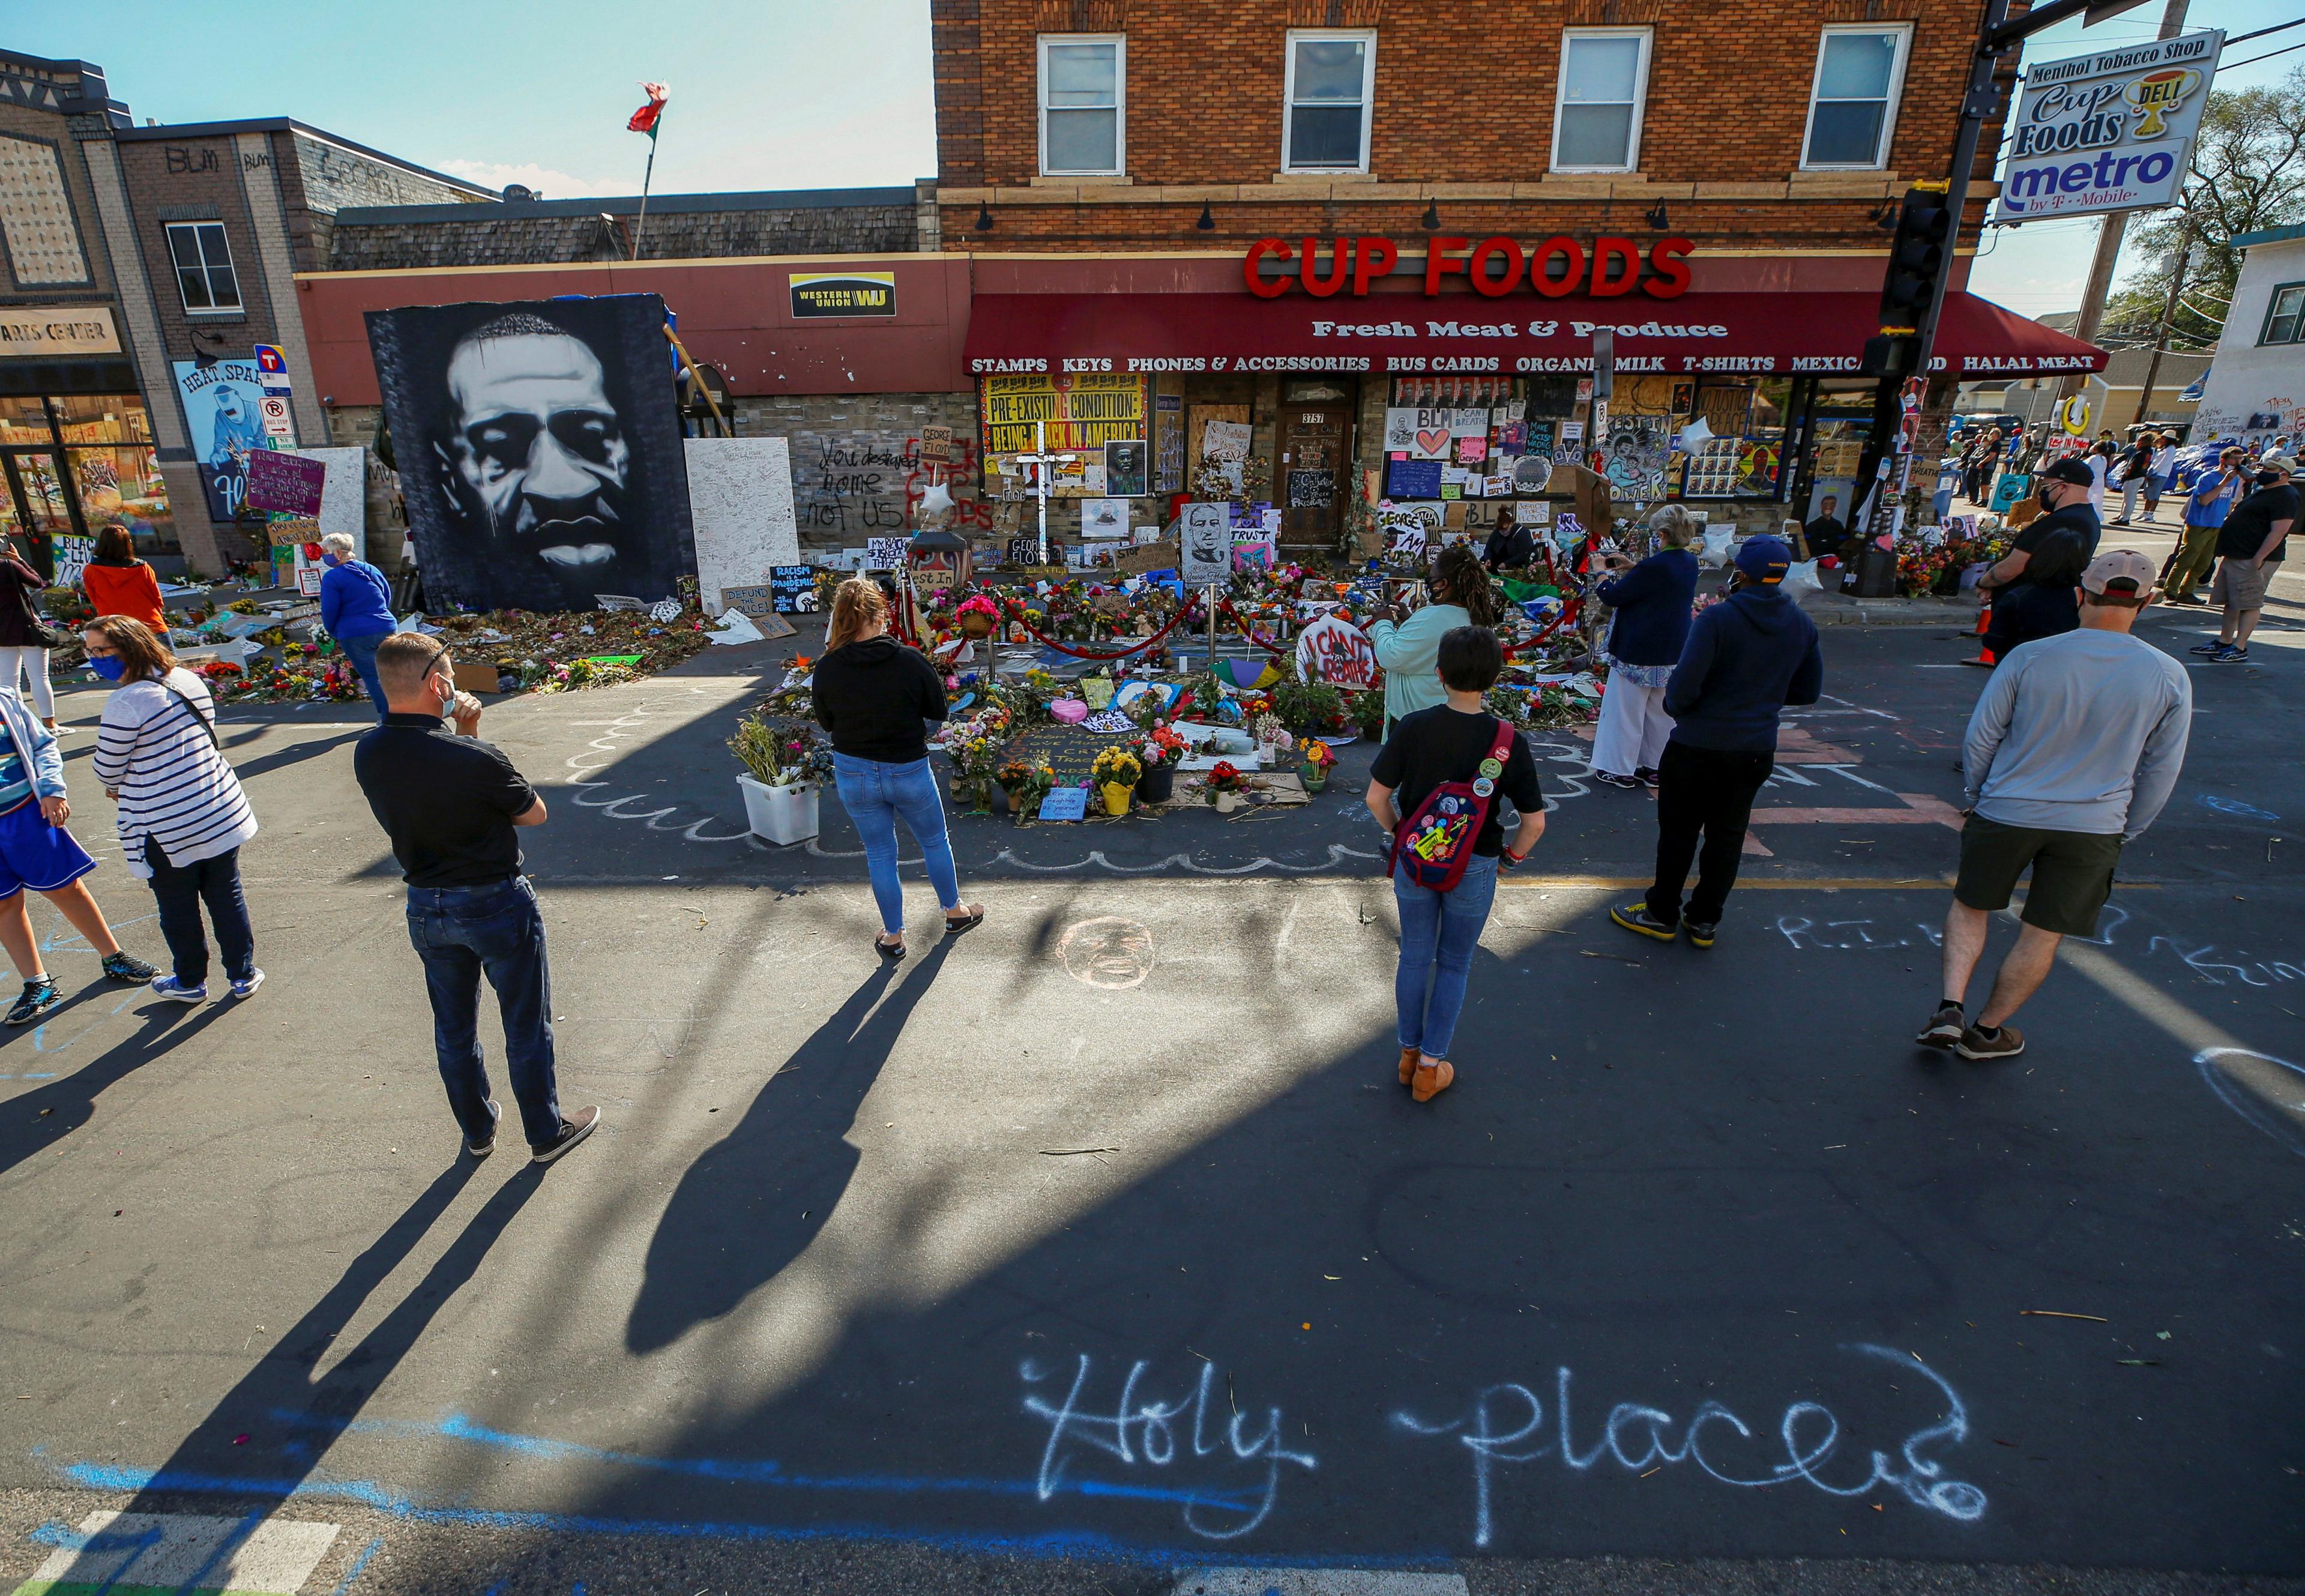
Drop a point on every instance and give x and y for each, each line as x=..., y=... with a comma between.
x=875, y=697
x=1652, y=602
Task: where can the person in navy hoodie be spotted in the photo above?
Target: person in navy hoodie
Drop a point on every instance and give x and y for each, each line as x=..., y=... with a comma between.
x=356, y=608
x=1746, y=659
x=1652, y=600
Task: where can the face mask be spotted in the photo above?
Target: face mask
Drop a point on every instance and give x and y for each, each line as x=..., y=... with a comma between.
x=2268, y=479
x=329, y=559
x=2043, y=500
x=110, y=666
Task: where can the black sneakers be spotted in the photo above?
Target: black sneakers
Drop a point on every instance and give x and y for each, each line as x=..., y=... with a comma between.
x=1610, y=778
x=1944, y=1027
x=486, y=1145
x=124, y=965
x=2006, y=1042
x=39, y=998
x=1700, y=935
x=1635, y=918
x=574, y=1128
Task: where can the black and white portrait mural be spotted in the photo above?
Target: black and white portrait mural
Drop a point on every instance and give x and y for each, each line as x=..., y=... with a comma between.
x=540, y=449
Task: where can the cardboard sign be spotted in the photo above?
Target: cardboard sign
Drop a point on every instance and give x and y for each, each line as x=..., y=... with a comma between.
x=1336, y=652
x=279, y=481
x=1147, y=556
x=1205, y=558
x=884, y=554
x=936, y=444
x=1065, y=803
x=792, y=590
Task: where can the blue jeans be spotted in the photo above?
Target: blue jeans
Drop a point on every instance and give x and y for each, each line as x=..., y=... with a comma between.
x=361, y=652
x=1438, y=933
x=181, y=889
x=462, y=933
x=874, y=795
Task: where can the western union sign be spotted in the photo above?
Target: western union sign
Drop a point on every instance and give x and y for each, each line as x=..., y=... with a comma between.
x=843, y=293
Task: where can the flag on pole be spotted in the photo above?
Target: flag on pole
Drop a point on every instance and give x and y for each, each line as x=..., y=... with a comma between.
x=644, y=120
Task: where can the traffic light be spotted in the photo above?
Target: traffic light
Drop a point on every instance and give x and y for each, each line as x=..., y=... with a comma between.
x=1918, y=256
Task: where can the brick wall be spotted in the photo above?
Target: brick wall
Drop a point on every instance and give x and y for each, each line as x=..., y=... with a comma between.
x=1462, y=119
x=319, y=178
x=855, y=460
x=532, y=235
x=52, y=133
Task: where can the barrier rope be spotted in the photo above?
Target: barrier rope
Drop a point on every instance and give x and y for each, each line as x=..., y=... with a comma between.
x=1017, y=614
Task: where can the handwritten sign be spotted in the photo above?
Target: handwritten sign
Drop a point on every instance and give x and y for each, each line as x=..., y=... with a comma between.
x=1065, y=803
x=1334, y=650
x=884, y=554
x=279, y=481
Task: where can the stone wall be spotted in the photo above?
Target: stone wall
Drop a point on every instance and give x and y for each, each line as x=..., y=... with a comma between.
x=329, y=178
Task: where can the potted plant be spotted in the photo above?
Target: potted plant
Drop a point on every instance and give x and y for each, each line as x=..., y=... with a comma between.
x=1160, y=750
x=1319, y=760
x=1225, y=786
x=1115, y=772
x=977, y=616
x=1272, y=739
x=780, y=780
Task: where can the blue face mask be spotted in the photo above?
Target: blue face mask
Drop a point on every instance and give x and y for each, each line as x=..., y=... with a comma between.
x=110, y=666
x=329, y=559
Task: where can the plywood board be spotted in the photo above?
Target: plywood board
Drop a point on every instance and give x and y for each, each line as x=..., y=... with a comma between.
x=740, y=497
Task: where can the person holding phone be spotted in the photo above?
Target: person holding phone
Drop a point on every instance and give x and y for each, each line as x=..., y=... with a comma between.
x=1408, y=643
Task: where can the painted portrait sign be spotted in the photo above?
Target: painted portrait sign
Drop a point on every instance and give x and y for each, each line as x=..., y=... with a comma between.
x=223, y=415
x=540, y=451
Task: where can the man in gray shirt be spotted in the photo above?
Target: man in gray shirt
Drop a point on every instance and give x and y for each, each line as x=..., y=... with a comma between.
x=2070, y=752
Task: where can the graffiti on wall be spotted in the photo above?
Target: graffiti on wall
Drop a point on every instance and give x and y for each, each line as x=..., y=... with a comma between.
x=851, y=485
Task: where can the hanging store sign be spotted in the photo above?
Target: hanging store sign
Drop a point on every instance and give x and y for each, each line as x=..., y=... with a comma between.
x=2108, y=130
x=50, y=330
x=1551, y=267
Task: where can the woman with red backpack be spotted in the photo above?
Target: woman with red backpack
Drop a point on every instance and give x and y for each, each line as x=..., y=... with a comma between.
x=1434, y=786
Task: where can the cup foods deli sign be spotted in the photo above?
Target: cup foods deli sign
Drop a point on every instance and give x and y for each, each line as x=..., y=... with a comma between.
x=2108, y=130
x=1553, y=267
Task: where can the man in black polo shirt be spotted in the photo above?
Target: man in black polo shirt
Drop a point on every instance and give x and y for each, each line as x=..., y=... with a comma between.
x=2065, y=493
x=2249, y=548
x=450, y=802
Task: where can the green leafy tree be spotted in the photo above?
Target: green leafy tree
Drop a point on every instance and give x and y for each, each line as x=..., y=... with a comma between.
x=2248, y=175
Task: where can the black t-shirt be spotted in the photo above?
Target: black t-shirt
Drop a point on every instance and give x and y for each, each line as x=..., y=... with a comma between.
x=1443, y=744
x=2078, y=519
x=1825, y=534
x=446, y=801
x=2245, y=529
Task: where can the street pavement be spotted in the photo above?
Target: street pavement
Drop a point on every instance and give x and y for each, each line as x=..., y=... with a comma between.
x=1099, y=1251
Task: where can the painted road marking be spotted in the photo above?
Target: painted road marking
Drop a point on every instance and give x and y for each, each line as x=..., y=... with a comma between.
x=150, y=1554
x=1315, y=1581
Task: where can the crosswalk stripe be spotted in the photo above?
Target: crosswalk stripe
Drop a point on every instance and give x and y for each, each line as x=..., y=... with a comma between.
x=162, y=1554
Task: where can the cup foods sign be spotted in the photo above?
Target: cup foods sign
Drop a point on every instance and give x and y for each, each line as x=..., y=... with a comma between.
x=2108, y=130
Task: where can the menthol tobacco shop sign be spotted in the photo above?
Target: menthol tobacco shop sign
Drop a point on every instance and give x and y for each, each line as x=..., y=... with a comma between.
x=2108, y=130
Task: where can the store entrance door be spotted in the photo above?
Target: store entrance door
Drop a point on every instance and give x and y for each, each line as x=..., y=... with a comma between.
x=39, y=504
x=1316, y=457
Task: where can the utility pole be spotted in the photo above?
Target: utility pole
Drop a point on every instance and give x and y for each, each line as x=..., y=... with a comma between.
x=2168, y=317
x=2110, y=232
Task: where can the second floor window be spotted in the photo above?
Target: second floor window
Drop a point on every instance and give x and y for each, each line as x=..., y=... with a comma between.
x=1852, y=109
x=2285, y=318
x=203, y=263
x=1330, y=76
x=1596, y=124
x=1084, y=104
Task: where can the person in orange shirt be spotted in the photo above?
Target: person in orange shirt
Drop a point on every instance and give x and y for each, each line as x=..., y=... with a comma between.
x=118, y=583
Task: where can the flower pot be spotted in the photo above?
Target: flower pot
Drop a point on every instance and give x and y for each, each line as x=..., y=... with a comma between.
x=1017, y=802
x=1315, y=777
x=1117, y=796
x=783, y=815
x=976, y=624
x=980, y=796
x=1158, y=784
x=1227, y=802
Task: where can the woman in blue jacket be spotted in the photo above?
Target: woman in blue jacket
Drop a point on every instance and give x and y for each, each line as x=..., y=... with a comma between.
x=1652, y=600
x=356, y=607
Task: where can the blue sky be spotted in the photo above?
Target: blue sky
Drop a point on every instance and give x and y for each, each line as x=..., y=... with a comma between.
x=765, y=93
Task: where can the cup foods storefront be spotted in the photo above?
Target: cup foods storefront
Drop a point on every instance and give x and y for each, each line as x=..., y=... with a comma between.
x=1449, y=384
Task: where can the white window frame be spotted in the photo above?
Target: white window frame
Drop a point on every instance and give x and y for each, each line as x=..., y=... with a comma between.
x=168, y=239
x=1647, y=38
x=1903, y=31
x=1366, y=35
x=1119, y=41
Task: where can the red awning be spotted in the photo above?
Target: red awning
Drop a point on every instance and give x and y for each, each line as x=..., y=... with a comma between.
x=1697, y=333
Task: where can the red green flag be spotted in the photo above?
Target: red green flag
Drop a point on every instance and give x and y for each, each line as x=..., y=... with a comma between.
x=644, y=120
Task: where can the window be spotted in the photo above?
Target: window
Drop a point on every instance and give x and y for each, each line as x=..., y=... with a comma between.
x=203, y=266
x=2285, y=318
x=1326, y=128
x=1852, y=109
x=1596, y=120
x=1084, y=103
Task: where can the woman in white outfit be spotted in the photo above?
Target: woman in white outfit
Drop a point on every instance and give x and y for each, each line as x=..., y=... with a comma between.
x=23, y=651
x=1653, y=601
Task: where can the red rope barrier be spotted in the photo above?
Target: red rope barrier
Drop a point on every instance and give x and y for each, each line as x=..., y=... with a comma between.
x=1248, y=628
x=1046, y=640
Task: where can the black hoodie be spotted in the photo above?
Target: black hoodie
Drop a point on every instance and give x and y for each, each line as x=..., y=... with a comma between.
x=874, y=697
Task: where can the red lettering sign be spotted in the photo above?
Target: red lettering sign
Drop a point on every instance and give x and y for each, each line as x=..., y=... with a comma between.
x=1554, y=268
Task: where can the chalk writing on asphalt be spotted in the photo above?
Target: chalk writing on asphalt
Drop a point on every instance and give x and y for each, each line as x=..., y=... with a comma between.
x=1508, y=1423
x=1231, y=1455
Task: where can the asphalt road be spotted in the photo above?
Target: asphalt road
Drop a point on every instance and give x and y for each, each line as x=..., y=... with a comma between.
x=1101, y=1244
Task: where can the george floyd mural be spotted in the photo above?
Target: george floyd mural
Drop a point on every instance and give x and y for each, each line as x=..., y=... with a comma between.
x=540, y=449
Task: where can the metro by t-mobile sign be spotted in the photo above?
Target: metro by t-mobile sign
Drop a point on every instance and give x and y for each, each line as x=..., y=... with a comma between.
x=1554, y=268
x=2108, y=130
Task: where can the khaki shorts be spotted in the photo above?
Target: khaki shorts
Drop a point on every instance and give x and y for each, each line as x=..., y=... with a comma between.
x=2239, y=584
x=2072, y=873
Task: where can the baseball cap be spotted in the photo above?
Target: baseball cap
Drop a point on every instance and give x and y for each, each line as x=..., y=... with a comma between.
x=1765, y=559
x=2070, y=470
x=2278, y=462
x=2122, y=570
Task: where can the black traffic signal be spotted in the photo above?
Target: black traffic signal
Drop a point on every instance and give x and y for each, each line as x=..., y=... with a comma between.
x=1917, y=257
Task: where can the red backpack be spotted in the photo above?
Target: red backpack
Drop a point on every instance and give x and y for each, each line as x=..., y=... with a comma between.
x=1436, y=842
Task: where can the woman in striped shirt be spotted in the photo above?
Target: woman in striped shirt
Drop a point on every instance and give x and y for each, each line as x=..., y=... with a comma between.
x=183, y=816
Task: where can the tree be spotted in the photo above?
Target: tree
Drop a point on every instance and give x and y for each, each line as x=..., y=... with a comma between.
x=2248, y=174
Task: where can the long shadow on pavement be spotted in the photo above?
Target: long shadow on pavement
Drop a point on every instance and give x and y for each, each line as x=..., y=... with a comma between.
x=34, y=1121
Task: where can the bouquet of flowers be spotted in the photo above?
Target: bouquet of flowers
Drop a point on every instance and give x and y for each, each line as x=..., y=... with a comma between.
x=1270, y=733
x=1161, y=747
x=781, y=756
x=1026, y=782
x=977, y=616
x=1117, y=766
x=1319, y=755
x=1225, y=778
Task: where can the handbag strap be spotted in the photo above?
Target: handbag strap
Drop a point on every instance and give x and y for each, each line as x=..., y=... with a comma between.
x=207, y=725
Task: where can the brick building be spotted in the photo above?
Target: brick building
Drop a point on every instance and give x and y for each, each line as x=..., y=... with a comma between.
x=1324, y=217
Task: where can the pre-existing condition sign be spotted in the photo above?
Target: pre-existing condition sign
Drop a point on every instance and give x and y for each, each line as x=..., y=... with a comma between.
x=2108, y=130
x=843, y=293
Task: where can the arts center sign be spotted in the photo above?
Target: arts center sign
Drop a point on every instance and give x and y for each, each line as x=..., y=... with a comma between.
x=2107, y=131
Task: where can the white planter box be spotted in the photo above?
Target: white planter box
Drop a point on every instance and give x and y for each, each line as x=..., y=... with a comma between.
x=783, y=815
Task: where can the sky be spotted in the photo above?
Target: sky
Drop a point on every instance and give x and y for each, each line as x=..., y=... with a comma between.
x=766, y=94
